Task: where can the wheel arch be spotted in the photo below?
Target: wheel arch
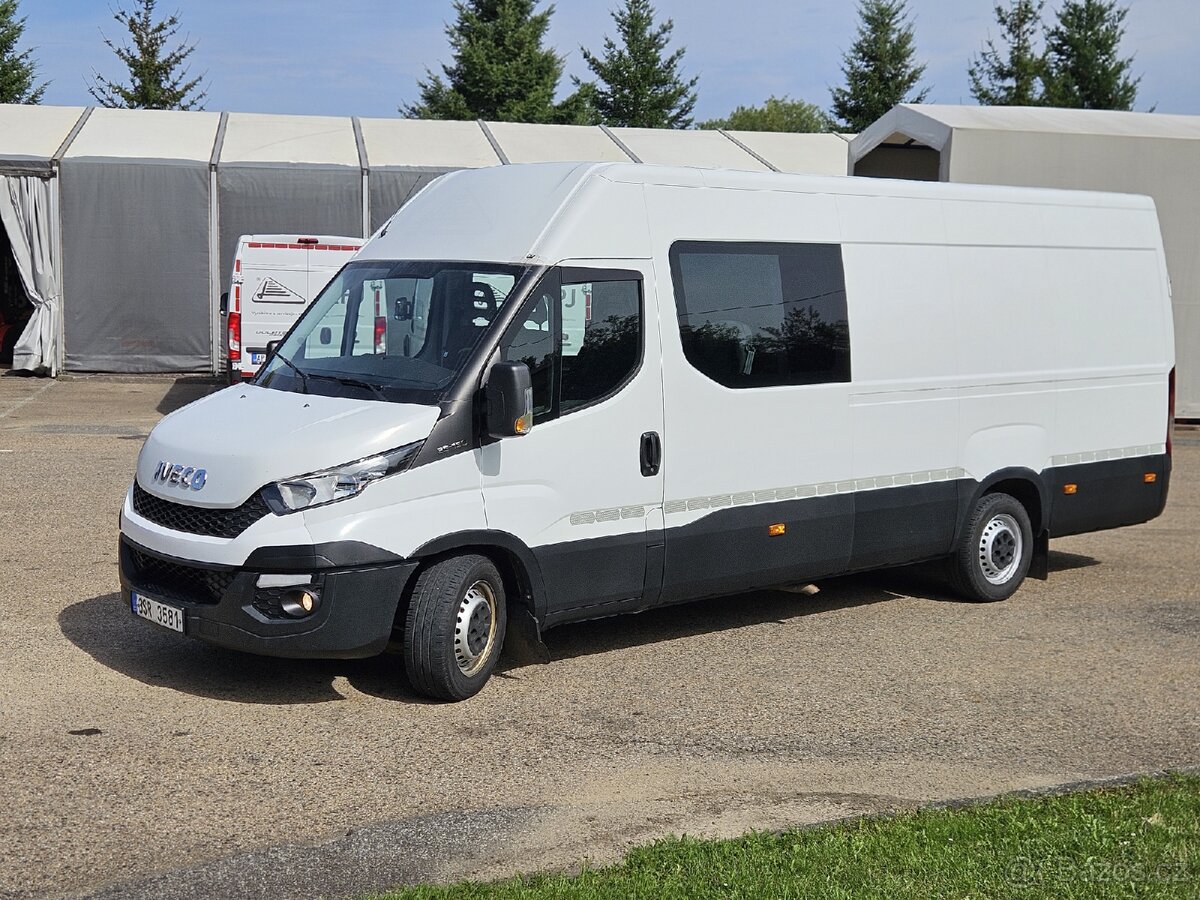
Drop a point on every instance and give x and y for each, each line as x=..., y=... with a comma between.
x=1024, y=485
x=512, y=557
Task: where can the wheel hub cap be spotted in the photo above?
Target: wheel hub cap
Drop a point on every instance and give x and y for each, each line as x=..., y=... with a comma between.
x=475, y=628
x=1000, y=546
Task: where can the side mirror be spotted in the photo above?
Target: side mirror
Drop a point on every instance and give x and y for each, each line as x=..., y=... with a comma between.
x=509, y=396
x=225, y=303
x=403, y=310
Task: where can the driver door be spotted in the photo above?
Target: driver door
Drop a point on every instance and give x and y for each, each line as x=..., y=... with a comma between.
x=584, y=489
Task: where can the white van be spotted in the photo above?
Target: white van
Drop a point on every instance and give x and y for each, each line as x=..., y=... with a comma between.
x=604, y=388
x=274, y=277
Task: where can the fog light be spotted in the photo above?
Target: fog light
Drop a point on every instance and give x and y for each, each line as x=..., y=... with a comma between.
x=299, y=603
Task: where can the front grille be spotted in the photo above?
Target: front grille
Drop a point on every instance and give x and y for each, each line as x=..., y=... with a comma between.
x=176, y=581
x=224, y=523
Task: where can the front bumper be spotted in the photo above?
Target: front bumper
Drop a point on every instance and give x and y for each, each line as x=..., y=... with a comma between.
x=360, y=588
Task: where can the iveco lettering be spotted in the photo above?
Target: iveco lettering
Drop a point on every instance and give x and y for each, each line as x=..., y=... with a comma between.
x=556, y=392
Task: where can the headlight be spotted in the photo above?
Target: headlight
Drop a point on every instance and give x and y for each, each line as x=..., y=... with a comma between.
x=338, y=483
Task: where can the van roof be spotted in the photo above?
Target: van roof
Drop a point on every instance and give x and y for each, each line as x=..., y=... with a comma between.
x=543, y=212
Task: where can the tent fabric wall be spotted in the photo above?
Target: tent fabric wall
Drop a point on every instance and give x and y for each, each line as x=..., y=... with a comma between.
x=392, y=188
x=26, y=204
x=140, y=235
x=1137, y=153
x=274, y=199
x=135, y=266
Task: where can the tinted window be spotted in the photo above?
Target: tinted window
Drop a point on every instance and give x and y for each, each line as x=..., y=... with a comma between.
x=531, y=340
x=758, y=315
x=581, y=340
x=601, y=339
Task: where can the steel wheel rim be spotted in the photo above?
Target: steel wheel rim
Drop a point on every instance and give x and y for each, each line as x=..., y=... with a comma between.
x=1001, y=546
x=475, y=628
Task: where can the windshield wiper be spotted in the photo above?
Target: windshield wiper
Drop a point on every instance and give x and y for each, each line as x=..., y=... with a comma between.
x=295, y=368
x=353, y=382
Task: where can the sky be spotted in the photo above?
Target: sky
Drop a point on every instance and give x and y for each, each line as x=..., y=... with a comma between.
x=364, y=57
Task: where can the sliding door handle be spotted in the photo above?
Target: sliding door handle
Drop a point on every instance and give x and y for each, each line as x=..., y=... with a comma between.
x=651, y=453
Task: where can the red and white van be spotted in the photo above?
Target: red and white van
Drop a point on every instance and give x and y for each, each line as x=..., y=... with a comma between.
x=274, y=277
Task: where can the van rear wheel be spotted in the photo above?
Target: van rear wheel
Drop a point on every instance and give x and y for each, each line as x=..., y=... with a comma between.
x=455, y=627
x=994, y=551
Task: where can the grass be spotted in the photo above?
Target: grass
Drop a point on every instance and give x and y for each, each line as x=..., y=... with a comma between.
x=1140, y=840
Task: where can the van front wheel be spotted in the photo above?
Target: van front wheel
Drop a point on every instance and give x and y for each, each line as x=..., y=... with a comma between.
x=455, y=627
x=994, y=552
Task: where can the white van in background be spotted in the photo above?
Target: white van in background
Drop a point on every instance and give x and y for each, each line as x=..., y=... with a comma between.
x=274, y=278
x=602, y=388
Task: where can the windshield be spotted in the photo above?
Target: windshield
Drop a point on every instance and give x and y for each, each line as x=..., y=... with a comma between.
x=388, y=330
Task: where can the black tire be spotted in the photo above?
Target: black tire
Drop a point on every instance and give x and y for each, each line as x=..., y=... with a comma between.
x=451, y=643
x=994, y=551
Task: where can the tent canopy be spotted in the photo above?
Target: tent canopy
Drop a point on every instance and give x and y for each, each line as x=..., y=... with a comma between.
x=423, y=142
x=280, y=140
x=523, y=143
x=149, y=134
x=32, y=134
x=706, y=149
x=932, y=125
x=816, y=154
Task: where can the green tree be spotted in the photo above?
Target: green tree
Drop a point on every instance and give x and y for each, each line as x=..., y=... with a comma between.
x=1084, y=69
x=638, y=83
x=158, y=76
x=879, y=67
x=18, y=71
x=777, y=114
x=500, y=69
x=1011, y=77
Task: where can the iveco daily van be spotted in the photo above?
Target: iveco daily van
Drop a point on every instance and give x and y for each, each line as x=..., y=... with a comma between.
x=634, y=386
x=274, y=278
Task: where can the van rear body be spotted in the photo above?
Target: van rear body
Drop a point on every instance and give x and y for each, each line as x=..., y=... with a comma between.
x=274, y=278
x=548, y=393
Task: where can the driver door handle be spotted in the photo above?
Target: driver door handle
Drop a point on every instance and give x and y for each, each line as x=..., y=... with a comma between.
x=651, y=453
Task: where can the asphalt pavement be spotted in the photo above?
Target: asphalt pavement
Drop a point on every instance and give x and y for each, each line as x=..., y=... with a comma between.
x=136, y=763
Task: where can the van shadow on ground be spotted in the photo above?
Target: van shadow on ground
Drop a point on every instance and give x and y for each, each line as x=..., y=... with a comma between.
x=104, y=628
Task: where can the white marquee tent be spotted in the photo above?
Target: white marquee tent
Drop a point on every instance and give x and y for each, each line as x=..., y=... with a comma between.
x=122, y=223
x=1127, y=152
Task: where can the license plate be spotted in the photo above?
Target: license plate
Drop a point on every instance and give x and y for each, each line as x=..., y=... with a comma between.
x=256, y=358
x=157, y=612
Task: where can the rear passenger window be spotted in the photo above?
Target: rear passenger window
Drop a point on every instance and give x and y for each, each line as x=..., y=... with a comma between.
x=760, y=315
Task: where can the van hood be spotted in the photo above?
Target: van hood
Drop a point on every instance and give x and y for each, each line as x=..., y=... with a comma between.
x=246, y=436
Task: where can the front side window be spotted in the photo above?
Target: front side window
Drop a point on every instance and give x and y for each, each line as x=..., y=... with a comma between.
x=582, y=339
x=761, y=315
x=392, y=330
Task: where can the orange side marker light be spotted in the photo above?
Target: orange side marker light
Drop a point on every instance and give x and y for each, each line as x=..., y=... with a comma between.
x=1070, y=488
x=1150, y=477
x=777, y=529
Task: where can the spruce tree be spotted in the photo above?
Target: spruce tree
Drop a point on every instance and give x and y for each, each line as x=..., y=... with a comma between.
x=639, y=84
x=158, y=76
x=500, y=69
x=777, y=114
x=1083, y=67
x=879, y=67
x=1011, y=77
x=18, y=71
